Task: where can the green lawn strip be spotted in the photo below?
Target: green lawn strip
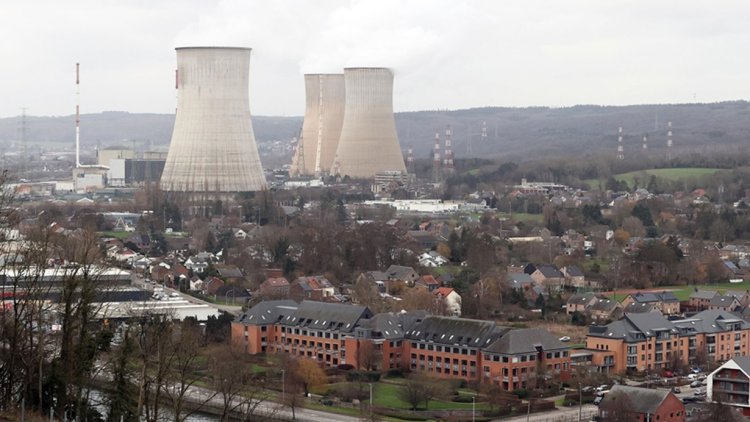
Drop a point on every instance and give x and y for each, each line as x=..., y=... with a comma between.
x=683, y=293
x=522, y=217
x=388, y=395
x=116, y=235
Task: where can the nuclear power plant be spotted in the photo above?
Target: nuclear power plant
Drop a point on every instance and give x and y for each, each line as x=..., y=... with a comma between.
x=321, y=128
x=213, y=153
x=368, y=143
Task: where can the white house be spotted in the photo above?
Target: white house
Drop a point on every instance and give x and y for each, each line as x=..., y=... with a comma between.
x=450, y=298
x=432, y=259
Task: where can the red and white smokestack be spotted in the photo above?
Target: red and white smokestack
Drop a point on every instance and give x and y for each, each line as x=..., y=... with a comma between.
x=78, y=115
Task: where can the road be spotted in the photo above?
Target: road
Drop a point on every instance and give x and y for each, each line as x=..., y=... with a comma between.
x=561, y=414
x=139, y=282
x=270, y=409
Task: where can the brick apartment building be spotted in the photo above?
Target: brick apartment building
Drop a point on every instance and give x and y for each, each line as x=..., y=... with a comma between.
x=446, y=347
x=642, y=404
x=730, y=384
x=649, y=341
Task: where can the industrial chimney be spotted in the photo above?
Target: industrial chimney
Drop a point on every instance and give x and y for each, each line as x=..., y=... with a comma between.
x=321, y=129
x=213, y=152
x=369, y=143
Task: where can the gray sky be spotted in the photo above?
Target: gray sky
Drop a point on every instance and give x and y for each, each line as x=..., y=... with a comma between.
x=446, y=54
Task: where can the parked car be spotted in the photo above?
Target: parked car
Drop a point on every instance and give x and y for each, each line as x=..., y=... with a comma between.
x=598, y=400
x=565, y=339
x=692, y=376
x=696, y=370
x=695, y=384
x=602, y=388
x=699, y=392
x=668, y=374
x=676, y=390
x=587, y=389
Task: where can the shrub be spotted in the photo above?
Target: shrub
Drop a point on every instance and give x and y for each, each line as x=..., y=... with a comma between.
x=462, y=398
x=522, y=393
x=395, y=372
x=366, y=376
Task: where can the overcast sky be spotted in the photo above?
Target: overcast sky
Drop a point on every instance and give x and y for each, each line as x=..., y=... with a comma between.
x=446, y=54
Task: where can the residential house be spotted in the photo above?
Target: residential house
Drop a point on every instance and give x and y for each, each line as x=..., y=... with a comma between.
x=316, y=288
x=604, y=310
x=700, y=299
x=742, y=296
x=444, y=347
x=724, y=303
x=729, y=384
x=432, y=259
x=450, y=298
x=378, y=278
x=402, y=273
x=573, y=276
x=649, y=341
x=427, y=281
x=641, y=307
x=579, y=303
x=642, y=404
x=275, y=287
x=521, y=281
x=548, y=276
x=230, y=273
x=667, y=302
x=212, y=284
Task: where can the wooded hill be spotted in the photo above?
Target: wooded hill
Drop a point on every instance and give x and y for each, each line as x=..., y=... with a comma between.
x=512, y=133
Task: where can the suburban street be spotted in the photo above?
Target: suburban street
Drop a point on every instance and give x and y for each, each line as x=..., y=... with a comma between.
x=559, y=415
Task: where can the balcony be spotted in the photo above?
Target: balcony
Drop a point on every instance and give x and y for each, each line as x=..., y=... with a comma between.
x=740, y=379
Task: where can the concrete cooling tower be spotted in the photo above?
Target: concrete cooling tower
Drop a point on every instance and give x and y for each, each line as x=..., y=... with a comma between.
x=368, y=143
x=213, y=150
x=324, y=115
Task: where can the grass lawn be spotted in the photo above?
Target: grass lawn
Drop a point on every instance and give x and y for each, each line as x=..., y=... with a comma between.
x=684, y=292
x=388, y=395
x=523, y=217
x=665, y=173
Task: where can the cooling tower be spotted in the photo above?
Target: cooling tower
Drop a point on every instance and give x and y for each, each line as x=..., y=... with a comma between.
x=368, y=142
x=324, y=114
x=213, y=148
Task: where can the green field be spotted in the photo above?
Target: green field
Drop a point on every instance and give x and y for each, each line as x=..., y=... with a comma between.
x=117, y=235
x=684, y=292
x=523, y=217
x=387, y=395
x=666, y=173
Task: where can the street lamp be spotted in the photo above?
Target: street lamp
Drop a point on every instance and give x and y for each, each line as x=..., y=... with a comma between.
x=580, y=401
x=370, y=401
x=283, y=385
x=473, y=408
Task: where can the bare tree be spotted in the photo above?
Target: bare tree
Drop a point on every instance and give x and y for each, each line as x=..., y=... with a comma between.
x=240, y=390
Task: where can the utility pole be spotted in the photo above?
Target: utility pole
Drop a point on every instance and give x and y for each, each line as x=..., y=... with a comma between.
x=580, y=401
x=370, y=401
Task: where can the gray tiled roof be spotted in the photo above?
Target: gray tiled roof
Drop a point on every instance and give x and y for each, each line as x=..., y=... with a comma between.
x=632, y=326
x=400, y=272
x=640, y=400
x=525, y=340
x=743, y=362
x=704, y=294
x=519, y=279
x=385, y=325
x=604, y=305
x=721, y=301
x=639, y=308
x=573, y=271
x=549, y=271
x=711, y=321
x=268, y=312
x=456, y=331
x=581, y=299
x=325, y=316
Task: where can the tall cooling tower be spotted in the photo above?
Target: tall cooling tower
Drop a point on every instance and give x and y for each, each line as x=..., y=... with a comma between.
x=324, y=114
x=213, y=148
x=368, y=143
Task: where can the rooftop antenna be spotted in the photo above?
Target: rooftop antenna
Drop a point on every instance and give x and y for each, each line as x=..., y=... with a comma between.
x=448, y=161
x=669, y=140
x=436, y=159
x=645, y=142
x=78, y=115
x=620, y=151
x=410, y=161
